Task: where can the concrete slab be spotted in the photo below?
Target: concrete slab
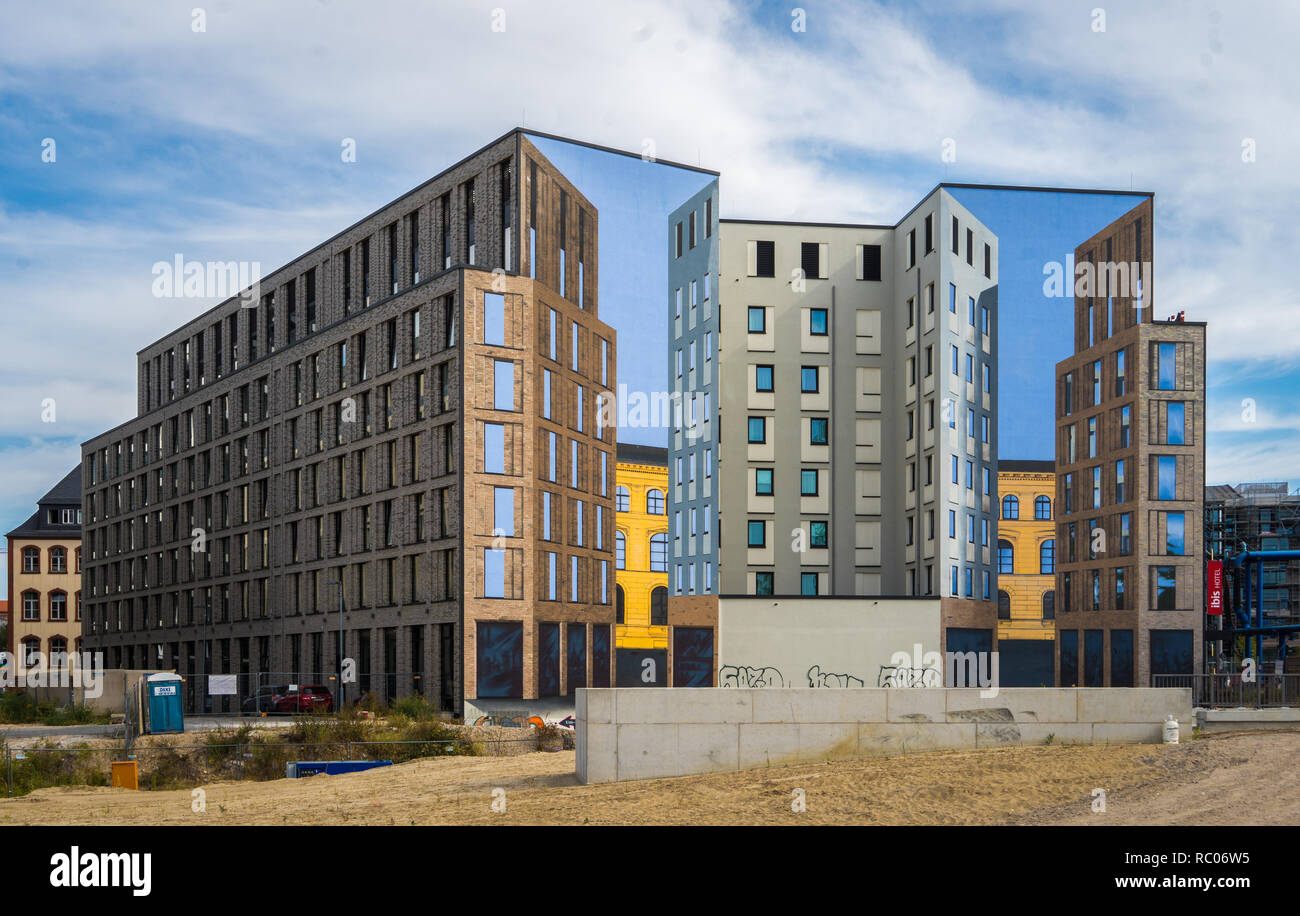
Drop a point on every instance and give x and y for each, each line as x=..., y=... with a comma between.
x=916, y=704
x=1002, y=734
x=1135, y=732
x=678, y=705
x=768, y=744
x=599, y=757
x=867, y=705
x=823, y=741
x=1134, y=704
x=1017, y=704
x=805, y=705
x=875, y=738
x=645, y=751
x=707, y=748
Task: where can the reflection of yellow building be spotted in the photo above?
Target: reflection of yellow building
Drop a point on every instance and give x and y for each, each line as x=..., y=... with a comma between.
x=1026, y=550
x=641, y=545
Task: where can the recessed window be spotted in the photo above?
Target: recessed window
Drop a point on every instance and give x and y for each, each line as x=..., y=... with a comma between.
x=1011, y=507
x=765, y=259
x=1006, y=558
x=757, y=319
x=818, y=431
x=763, y=582
x=1165, y=583
x=808, y=380
x=757, y=430
x=763, y=378
x=1042, y=508
x=762, y=481
x=654, y=502
x=807, y=482
x=757, y=534
x=807, y=583
x=871, y=262
x=1175, y=416
x=494, y=319
x=817, y=534
x=817, y=322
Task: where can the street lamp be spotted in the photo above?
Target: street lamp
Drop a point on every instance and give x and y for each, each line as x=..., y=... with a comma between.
x=339, y=583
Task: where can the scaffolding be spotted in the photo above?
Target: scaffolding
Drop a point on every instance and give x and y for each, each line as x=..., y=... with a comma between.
x=1257, y=518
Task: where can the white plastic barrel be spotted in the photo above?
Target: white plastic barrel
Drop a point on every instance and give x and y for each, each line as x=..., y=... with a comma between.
x=1171, y=730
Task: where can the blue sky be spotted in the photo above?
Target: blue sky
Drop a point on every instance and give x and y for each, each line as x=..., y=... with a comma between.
x=223, y=144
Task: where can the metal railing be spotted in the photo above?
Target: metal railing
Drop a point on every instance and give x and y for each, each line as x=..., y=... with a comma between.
x=1234, y=689
x=273, y=693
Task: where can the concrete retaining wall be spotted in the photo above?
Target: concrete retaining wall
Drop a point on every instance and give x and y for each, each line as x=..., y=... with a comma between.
x=1242, y=718
x=626, y=734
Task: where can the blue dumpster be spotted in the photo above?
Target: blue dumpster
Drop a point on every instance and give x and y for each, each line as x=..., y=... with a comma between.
x=163, y=702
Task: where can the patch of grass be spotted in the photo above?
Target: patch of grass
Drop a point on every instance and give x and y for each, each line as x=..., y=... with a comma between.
x=47, y=764
x=17, y=708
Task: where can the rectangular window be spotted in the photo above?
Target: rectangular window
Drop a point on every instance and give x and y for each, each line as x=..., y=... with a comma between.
x=757, y=430
x=871, y=262
x=765, y=259
x=817, y=430
x=817, y=322
x=762, y=481
x=504, y=385
x=1175, y=415
x=1165, y=366
x=757, y=319
x=494, y=448
x=810, y=260
x=808, y=380
x=1167, y=477
x=762, y=378
x=503, y=512
x=807, y=482
x=494, y=319
x=1175, y=528
x=1164, y=580
x=757, y=531
x=807, y=583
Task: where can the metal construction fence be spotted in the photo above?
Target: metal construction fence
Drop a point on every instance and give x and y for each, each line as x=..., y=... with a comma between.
x=272, y=693
x=177, y=766
x=1235, y=689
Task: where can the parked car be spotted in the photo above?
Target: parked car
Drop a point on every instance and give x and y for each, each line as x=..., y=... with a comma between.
x=307, y=698
x=266, y=699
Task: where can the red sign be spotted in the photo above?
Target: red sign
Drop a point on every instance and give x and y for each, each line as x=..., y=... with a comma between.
x=1214, y=594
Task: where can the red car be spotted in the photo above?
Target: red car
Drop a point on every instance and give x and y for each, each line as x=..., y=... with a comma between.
x=307, y=698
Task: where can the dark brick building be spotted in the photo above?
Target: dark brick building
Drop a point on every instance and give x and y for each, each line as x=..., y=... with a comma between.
x=409, y=409
x=1130, y=472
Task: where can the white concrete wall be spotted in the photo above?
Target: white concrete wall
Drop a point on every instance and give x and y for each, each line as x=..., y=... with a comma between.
x=626, y=734
x=815, y=642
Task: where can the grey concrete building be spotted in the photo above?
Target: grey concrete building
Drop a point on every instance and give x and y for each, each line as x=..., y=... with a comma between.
x=843, y=434
x=391, y=454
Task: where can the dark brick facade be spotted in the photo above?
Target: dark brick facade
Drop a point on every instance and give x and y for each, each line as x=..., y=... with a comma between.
x=303, y=464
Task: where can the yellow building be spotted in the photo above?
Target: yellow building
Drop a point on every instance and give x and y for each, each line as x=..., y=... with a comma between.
x=45, y=575
x=641, y=547
x=1026, y=550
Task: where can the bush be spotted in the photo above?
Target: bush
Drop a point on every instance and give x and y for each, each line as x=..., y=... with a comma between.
x=19, y=707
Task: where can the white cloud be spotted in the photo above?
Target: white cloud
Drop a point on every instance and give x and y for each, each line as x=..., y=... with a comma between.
x=1030, y=94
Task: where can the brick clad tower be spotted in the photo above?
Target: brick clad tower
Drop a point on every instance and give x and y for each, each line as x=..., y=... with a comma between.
x=1130, y=468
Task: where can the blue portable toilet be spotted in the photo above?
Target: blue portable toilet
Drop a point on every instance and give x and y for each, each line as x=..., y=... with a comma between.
x=163, y=701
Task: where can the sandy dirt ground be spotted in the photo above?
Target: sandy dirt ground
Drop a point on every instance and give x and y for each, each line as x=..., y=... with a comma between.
x=1222, y=780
